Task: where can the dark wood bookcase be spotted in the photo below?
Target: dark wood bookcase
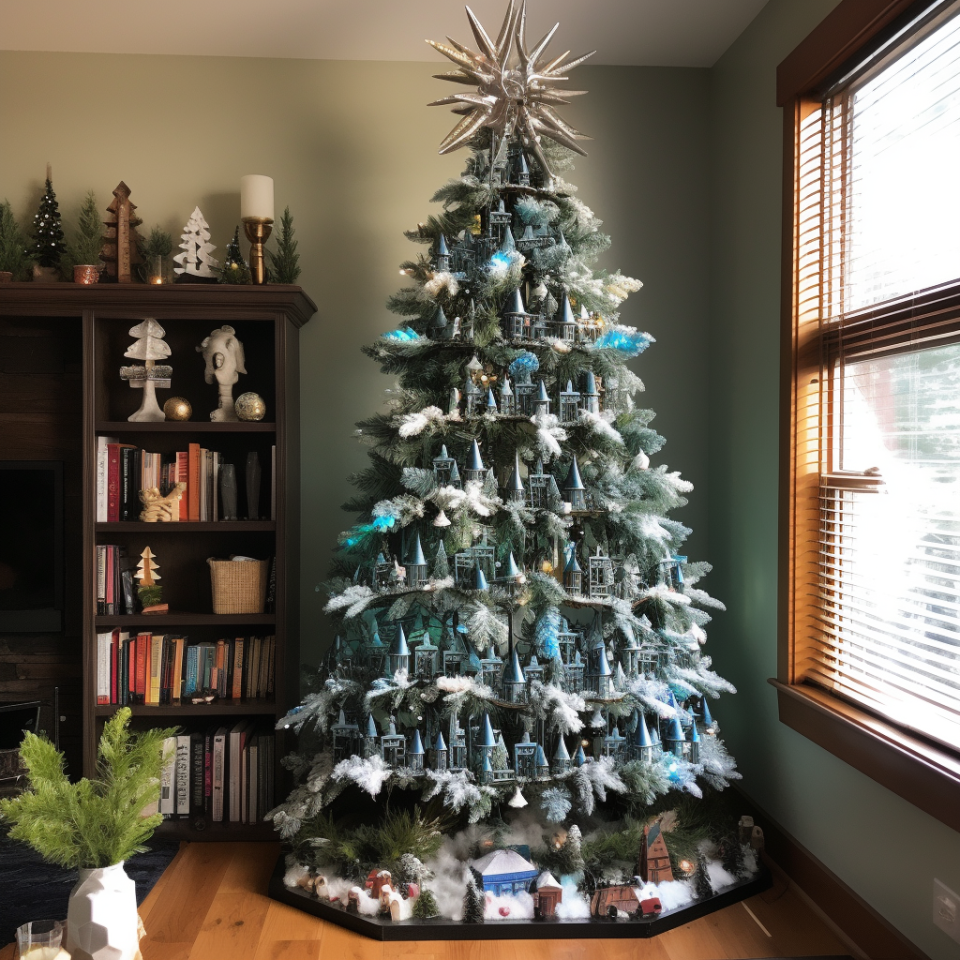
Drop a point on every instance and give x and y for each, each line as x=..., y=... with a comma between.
x=267, y=320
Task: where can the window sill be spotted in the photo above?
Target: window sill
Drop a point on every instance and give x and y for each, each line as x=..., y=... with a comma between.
x=918, y=771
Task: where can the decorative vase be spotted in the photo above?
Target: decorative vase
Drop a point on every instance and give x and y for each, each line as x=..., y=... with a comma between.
x=102, y=915
x=6, y=276
x=86, y=273
x=253, y=486
x=228, y=491
x=45, y=274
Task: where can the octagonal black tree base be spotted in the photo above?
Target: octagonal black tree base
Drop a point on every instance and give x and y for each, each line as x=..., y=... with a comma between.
x=441, y=928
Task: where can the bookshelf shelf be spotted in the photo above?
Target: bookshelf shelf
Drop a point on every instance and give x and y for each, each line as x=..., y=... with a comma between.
x=266, y=320
x=184, y=427
x=187, y=620
x=218, y=708
x=188, y=527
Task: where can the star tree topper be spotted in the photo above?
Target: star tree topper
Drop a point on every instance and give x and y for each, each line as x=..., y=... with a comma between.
x=513, y=94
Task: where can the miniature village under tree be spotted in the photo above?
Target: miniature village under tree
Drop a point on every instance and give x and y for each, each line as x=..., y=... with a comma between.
x=514, y=719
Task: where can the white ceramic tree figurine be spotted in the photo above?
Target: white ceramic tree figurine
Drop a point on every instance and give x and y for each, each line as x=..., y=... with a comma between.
x=149, y=347
x=195, y=261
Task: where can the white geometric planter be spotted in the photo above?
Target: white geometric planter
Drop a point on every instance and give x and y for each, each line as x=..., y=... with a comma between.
x=102, y=915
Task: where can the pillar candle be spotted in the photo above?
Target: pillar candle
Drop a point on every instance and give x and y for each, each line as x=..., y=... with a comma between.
x=256, y=197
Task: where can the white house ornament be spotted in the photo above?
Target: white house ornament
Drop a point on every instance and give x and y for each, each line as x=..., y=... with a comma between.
x=224, y=362
x=514, y=94
x=149, y=347
x=196, y=264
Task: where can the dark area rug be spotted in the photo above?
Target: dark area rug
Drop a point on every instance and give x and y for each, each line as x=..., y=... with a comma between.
x=33, y=890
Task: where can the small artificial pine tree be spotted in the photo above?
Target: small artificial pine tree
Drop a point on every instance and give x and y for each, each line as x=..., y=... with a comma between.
x=285, y=263
x=425, y=906
x=234, y=269
x=149, y=591
x=13, y=244
x=86, y=245
x=702, y=886
x=473, y=901
x=732, y=856
x=48, y=246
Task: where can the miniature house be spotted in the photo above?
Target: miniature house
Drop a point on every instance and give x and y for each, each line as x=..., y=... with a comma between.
x=505, y=872
x=653, y=865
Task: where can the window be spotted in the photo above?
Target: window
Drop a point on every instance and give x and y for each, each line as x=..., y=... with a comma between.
x=870, y=644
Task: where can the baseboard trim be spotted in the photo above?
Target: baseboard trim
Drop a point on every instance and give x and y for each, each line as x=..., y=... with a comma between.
x=855, y=921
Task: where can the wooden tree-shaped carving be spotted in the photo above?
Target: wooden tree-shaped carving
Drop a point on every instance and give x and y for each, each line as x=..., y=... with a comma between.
x=149, y=347
x=149, y=591
x=121, y=245
x=196, y=264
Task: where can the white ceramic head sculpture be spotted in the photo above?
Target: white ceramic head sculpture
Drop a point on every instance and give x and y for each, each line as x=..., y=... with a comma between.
x=224, y=362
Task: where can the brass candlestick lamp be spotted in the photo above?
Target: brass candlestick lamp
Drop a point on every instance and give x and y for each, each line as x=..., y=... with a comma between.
x=258, y=230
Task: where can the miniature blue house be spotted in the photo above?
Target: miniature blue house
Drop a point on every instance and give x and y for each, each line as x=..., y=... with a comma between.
x=505, y=872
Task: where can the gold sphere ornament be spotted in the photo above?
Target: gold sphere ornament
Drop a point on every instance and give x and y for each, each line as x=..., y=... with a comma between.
x=250, y=406
x=177, y=408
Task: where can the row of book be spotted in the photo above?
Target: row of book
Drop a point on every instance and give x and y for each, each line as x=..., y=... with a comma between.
x=158, y=669
x=224, y=773
x=123, y=470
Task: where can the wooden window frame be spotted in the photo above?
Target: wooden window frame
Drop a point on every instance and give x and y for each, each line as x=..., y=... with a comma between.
x=915, y=769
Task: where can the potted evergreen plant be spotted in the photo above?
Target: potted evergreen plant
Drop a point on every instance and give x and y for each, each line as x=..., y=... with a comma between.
x=15, y=263
x=83, y=252
x=93, y=826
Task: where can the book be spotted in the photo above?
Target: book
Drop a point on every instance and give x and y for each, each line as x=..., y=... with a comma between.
x=253, y=781
x=156, y=662
x=183, y=775
x=218, y=770
x=168, y=775
x=176, y=689
x=191, y=676
x=193, y=482
x=182, y=476
x=238, y=742
x=236, y=687
x=129, y=483
x=115, y=667
x=103, y=674
x=197, y=773
x=102, y=443
x=140, y=669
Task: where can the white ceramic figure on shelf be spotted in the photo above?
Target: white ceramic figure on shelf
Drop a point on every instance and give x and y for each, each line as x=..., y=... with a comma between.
x=149, y=347
x=195, y=261
x=223, y=356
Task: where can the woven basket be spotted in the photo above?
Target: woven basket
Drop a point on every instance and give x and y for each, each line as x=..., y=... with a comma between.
x=239, y=586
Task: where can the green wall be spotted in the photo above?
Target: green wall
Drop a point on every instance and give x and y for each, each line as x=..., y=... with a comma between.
x=883, y=847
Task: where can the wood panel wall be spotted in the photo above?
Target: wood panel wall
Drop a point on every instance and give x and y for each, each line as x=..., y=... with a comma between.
x=41, y=419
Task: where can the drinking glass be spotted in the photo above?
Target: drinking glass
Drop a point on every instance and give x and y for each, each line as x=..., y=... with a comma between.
x=39, y=939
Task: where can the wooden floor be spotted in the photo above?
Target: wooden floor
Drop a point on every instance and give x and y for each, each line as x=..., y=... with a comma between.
x=211, y=904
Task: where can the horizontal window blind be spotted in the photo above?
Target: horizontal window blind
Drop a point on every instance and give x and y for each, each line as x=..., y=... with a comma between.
x=878, y=393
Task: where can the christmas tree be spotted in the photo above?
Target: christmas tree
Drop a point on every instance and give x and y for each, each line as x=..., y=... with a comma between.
x=518, y=628
x=196, y=264
x=235, y=269
x=48, y=245
x=285, y=263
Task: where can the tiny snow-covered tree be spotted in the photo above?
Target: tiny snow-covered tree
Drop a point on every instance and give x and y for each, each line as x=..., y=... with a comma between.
x=196, y=264
x=149, y=347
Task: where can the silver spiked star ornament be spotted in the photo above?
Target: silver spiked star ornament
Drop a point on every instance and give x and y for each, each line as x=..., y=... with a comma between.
x=514, y=93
